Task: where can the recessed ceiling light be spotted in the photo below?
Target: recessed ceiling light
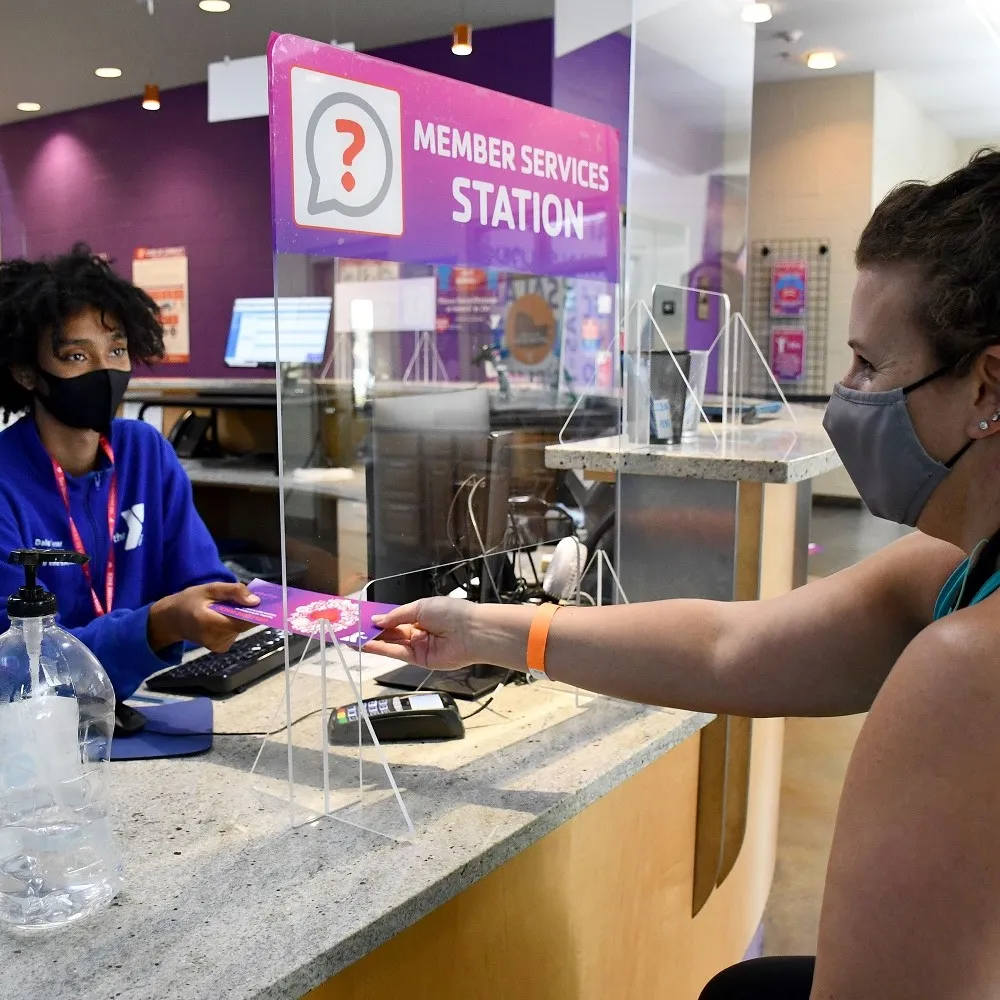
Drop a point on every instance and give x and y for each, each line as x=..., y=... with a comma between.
x=29, y=106
x=108, y=72
x=756, y=13
x=215, y=6
x=821, y=60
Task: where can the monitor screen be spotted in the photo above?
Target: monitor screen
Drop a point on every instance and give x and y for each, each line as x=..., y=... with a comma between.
x=304, y=324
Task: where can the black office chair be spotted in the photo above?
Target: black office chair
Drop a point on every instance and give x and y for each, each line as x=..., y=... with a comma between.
x=779, y=978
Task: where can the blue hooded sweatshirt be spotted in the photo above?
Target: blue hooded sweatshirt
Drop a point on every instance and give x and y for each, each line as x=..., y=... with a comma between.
x=161, y=544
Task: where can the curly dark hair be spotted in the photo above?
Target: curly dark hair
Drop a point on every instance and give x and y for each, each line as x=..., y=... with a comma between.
x=38, y=297
x=950, y=231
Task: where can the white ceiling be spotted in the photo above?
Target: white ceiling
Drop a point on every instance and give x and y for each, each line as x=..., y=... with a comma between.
x=50, y=48
x=944, y=54
x=939, y=52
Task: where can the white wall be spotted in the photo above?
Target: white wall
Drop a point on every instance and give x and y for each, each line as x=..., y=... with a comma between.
x=824, y=152
x=810, y=176
x=964, y=148
x=906, y=143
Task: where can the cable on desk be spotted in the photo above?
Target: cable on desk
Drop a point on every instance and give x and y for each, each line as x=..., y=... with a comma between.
x=482, y=708
x=273, y=732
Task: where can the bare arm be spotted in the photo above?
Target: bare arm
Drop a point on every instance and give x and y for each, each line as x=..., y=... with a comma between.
x=824, y=649
x=911, y=909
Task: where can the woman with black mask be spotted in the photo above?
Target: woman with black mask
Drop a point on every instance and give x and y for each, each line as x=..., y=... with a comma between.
x=911, y=909
x=77, y=478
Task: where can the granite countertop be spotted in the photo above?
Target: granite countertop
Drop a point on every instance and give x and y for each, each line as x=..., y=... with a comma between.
x=224, y=900
x=776, y=450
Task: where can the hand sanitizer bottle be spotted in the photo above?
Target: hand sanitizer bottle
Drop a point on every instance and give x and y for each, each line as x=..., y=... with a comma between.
x=58, y=859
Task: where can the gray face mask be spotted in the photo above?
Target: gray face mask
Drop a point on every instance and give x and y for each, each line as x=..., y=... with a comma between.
x=875, y=439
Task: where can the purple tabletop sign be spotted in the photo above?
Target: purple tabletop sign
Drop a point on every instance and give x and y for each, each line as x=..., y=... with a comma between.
x=371, y=159
x=347, y=620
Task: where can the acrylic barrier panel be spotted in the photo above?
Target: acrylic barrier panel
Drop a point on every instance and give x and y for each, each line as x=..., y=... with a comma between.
x=415, y=358
x=412, y=453
x=322, y=756
x=756, y=391
x=692, y=90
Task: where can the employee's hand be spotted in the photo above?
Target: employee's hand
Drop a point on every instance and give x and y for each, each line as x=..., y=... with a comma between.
x=437, y=633
x=188, y=617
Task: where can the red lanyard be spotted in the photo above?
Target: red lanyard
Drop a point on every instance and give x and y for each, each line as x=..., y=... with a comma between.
x=109, y=575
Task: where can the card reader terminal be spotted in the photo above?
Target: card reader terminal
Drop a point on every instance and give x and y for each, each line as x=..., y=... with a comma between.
x=400, y=718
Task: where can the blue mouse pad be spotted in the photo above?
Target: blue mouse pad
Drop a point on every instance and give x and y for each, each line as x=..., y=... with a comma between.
x=173, y=729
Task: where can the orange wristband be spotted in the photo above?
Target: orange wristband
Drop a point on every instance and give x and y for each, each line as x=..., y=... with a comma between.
x=538, y=636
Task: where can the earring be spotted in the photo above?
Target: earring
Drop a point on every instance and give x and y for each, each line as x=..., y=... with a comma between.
x=995, y=417
x=983, y=425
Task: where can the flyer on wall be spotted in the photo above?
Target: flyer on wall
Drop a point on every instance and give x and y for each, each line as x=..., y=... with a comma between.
x=788, y=351
x=789, y=281
x=162, y=273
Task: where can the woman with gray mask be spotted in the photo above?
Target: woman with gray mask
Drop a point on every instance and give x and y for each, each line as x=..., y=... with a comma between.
x=911, y=908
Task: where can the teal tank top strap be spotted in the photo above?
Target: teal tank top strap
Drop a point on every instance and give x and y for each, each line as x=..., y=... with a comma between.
x=951, y=592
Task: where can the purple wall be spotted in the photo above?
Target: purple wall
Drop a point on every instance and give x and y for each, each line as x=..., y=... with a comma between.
x=120, y=178
x=516, y=59
x=593, y=81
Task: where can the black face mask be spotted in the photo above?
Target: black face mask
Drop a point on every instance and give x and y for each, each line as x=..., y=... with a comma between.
x=86, y=402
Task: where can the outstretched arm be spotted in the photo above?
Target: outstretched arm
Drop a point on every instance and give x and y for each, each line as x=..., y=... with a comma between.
x=824, y=649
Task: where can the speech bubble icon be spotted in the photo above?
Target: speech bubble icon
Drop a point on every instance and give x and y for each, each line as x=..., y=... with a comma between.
x=318, y=205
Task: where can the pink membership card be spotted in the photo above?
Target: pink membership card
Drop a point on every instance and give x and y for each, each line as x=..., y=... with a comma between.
x=348, y=620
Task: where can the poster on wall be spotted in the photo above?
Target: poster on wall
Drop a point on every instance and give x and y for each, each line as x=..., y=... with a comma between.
x=163, y=274
x=588, y=335
x=371, y=159
x=531, y=324
x=469, y=299
x=788, y=353
x=789, y=281
x=366, y=270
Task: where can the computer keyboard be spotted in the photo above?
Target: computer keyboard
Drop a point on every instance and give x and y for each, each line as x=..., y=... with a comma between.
x=247, y=661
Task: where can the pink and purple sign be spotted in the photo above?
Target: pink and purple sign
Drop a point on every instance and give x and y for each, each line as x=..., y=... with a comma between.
x=788, y=289
x=346, y=620
x=788, y=353
x=370, y=159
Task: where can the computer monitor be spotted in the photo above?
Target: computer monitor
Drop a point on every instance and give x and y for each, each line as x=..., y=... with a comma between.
x=438, y=494
x=304, y=323
x=424, y=447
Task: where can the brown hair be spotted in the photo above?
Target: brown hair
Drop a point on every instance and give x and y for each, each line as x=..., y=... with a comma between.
x=950, y=232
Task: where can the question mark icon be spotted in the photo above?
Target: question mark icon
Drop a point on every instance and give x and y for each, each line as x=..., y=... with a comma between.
x=347, y=127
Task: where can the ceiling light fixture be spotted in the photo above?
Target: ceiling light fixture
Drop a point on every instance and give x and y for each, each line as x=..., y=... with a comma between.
x=821, y=60
x=461, y=40
x=756, y=13
x=215, y=6
x=29, y=106
x=151, y=98
x=108, y=72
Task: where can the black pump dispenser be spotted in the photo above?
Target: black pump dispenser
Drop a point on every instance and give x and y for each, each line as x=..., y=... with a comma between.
x=33, y=600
